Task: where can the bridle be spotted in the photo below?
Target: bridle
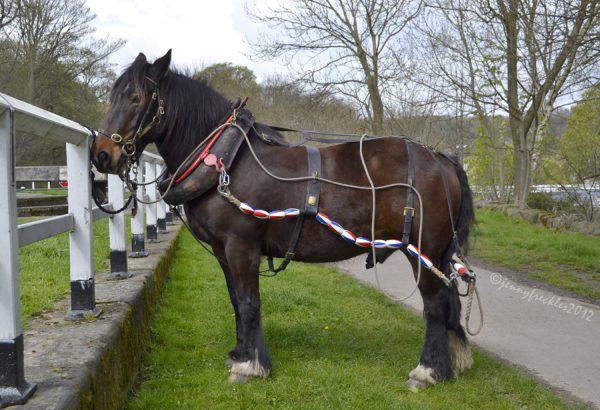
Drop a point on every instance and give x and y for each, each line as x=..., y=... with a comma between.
x=128, y=146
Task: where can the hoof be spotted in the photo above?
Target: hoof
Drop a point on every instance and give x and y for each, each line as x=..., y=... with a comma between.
x=237, y=378
x=421, y=376
x=240, y=372
x=415, y=385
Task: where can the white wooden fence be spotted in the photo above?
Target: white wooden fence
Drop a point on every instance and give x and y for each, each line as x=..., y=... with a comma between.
x=18, y=116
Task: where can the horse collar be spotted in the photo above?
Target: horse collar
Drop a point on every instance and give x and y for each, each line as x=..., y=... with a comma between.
x=205, y=156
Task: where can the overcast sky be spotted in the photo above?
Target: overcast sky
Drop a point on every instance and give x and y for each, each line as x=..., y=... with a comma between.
x=198, y=31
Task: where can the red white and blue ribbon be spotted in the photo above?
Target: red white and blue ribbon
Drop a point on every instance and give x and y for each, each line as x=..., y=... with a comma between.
x=352, y=238
x=347, y=235
x=273, y=215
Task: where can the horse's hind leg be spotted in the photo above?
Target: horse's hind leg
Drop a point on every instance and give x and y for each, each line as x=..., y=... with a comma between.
x=250, y=357
x=445, y=350
x=458, y=344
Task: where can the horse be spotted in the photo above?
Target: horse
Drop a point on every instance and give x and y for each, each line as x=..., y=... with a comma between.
x=186, y=111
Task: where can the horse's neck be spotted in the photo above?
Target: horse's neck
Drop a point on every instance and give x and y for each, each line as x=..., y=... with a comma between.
x=176, y=148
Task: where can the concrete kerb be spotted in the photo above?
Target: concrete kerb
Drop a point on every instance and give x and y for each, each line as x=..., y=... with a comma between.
x=93, y=364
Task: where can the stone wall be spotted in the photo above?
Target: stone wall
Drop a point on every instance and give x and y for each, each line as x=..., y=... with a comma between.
x=571, y=222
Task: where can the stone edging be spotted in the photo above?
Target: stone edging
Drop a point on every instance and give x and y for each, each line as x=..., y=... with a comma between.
x=93, y=364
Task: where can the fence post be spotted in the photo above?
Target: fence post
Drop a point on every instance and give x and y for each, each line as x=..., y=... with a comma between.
x=151, y=230
x=138, y=247
x=161, y=208
x=13, y=387
x=169, y=216
x=83, y=298
x=116, y=230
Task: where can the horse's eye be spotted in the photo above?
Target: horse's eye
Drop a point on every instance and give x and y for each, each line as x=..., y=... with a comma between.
x=135, y=98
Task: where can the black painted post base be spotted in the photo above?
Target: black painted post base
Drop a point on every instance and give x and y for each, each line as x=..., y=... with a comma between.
x=13, y=387
x=83, y=300
x=118, y=265
x=138, y=248
x=169, y=218
x=152, y=234
x=161, y=225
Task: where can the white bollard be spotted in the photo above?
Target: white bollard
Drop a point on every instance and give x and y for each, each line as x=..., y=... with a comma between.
x=151, y=217
x=161, y=208
x=116, y=230
x=138, y=246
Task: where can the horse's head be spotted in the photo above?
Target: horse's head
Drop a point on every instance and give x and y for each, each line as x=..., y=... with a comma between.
x=134, y=115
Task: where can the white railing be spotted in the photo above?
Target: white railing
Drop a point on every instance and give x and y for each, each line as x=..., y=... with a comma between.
x=19, y=117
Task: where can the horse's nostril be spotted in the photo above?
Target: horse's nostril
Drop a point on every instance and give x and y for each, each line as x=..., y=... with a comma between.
x=103, y=159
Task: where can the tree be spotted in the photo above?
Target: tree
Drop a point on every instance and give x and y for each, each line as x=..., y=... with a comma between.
x=9, y=10
x=343, y=47
x=579, y=153
x=512, y=57
x=49, y=58
x=232, y=80
x=55, y=44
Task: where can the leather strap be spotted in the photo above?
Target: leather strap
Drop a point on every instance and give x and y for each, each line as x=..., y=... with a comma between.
x=409, y=209
x=313, y=187
x=311, y=207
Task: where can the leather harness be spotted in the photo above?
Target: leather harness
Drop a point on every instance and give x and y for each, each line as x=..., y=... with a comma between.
x=225, y=154
x=311, y=207
x=409, y=209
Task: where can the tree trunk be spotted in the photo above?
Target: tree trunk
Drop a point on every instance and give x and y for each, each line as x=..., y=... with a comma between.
x=377, y=104
x=522, y=164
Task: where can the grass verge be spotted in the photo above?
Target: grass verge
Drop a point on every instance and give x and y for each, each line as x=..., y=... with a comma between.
x=568, y=261
x=335, y=342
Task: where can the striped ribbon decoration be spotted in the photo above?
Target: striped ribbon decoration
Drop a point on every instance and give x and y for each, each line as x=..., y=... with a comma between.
x=347, y=235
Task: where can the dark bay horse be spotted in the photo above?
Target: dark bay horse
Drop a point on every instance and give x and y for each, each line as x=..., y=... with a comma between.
x=192, y=110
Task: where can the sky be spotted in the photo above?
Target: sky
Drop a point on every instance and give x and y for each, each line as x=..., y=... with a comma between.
x=200, y=32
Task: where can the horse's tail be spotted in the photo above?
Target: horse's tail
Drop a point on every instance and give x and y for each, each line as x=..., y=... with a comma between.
x=466, y=218
x=466, y=215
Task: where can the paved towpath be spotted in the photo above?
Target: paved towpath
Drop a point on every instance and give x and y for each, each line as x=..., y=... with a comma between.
x=553, y=337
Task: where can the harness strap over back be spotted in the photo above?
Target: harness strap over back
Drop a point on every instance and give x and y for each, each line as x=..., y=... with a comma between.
x=311, y=207
x=409, y=209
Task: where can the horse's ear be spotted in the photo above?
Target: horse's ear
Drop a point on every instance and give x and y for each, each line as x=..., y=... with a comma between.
x=141, y=58
x=159, y=68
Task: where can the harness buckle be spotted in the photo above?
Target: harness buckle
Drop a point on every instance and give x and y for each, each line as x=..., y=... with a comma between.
x=128, y=148
x=116, y=138
x=409, y=210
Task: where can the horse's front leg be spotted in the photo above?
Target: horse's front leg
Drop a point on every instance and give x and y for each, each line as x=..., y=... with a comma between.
x=250, y=357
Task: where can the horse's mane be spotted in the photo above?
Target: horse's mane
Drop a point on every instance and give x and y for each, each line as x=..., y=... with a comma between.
x=193, y=110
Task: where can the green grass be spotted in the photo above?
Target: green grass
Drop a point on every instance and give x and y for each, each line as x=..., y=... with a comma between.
x=336, y=344
x=56, y=191
x=569, y=261
x=44, y=268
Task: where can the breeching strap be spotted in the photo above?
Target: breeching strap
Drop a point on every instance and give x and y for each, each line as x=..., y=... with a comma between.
x=409, y=209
